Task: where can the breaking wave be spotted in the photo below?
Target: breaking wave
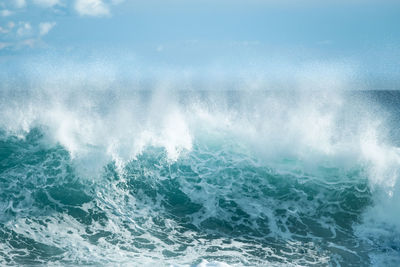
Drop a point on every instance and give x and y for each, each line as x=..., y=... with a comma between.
x=207, y=178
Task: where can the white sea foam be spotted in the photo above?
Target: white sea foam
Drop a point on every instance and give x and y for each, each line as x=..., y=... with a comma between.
x=309, y=129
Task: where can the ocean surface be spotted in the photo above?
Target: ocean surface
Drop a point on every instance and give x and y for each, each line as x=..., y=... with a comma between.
x=108, y=177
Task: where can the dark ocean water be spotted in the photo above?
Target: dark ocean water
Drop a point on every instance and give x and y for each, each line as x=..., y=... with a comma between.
x=108, y=177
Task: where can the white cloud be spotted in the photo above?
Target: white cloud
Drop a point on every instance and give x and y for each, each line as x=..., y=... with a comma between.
x=160, y=48
x=20, y=3
x=3, y=30
x=91, y=8
x=24, y=29
x=45, y=27
x=5, y=13
x=8, y=28
x=28, y=42
x=17, y=45
x=10, y=24
x=46, y=3
x=4, y=45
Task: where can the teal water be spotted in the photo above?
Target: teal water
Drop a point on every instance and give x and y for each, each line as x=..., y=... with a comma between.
x=216, y=199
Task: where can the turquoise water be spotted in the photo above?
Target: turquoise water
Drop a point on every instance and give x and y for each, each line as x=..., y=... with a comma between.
x=211, y=179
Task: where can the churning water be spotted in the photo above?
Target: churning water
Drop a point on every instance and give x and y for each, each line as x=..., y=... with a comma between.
x=199, y=178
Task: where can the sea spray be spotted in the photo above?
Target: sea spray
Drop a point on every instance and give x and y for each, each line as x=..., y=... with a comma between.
x=187, y=177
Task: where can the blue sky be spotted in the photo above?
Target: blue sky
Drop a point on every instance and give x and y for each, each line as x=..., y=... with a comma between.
x=260, y=40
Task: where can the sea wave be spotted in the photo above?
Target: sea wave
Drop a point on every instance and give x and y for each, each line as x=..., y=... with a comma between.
x=297, y=178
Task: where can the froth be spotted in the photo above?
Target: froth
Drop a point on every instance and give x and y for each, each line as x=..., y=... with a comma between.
x=314, y=129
